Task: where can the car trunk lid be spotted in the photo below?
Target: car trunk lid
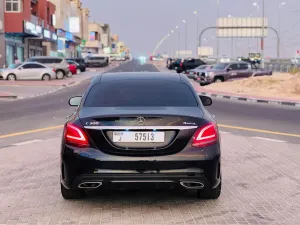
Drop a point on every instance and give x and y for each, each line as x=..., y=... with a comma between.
x=141, y=131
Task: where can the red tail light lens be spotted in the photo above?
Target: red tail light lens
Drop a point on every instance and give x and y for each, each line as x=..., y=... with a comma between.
x=205, y=136
x=54, y=70
x=181, y=64
x=75, y=136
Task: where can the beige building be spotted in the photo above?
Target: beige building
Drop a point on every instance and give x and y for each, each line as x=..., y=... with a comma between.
x=85, y=23
x=71, y=20
x=93, y=44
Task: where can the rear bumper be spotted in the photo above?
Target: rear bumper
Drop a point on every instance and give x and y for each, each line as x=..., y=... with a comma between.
x=171, y=178
x=79, y=167
x=204, y=80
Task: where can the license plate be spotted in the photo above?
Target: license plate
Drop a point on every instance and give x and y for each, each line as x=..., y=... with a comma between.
x=138, y=137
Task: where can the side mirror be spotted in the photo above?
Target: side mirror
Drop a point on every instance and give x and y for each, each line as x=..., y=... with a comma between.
x=229, y=69
x=206, y=101
x=20, y=68
x=75, y=101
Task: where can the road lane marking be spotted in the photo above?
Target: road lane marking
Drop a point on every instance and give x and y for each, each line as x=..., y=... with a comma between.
x=220, y=125
x=269, y=139
x=259, y=131
x=31, y=131
x=27, y=142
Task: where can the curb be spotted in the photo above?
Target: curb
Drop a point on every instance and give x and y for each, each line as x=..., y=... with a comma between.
x=8, y=97
x=233, y=97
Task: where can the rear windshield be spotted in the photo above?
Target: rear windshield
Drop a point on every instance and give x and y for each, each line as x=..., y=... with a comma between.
x=202, y=67
x=137, y=93
x=46, y=60
x=220, y=66
x=96, y=58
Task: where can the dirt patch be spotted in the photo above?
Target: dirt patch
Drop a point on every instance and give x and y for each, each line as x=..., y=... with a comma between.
x=280, y=85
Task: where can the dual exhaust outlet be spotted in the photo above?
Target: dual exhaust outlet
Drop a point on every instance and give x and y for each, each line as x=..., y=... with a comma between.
x=185, y=184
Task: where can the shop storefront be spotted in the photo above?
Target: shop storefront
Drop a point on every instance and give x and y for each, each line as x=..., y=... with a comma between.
x=49, y=43
x=14, y=45
x=33, y=40
x=68, y=45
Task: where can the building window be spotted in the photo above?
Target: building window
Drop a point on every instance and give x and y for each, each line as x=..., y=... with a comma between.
x=13, y=5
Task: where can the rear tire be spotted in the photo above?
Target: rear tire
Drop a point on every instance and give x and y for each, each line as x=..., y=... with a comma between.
x=46, y=77
x=210, y=193
x=11, y=77
x=218, y=79
x=71, y=194
x=60, y=74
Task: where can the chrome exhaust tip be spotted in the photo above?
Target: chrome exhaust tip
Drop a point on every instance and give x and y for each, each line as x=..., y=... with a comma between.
x=192, y=184
x=90, y=185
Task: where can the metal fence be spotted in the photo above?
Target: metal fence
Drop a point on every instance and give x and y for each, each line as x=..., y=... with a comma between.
x=280, y=67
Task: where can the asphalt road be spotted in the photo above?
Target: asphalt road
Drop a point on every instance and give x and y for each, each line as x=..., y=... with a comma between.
x=51, y=110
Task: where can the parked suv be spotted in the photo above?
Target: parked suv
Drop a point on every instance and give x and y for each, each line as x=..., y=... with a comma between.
x=60, y=65
x=96, y=61
x=175, y=64
x=223, y=71
x=189, y=64
x=81, y=62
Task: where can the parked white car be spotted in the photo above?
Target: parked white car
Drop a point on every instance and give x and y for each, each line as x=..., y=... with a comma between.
x=28, y=71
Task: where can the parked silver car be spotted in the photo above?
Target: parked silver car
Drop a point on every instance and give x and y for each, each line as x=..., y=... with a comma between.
x=194, y=73
x=27, y=71
x=60, y=65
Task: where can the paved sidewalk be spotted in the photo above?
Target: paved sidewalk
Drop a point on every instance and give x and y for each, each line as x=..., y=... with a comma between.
x=261, y=185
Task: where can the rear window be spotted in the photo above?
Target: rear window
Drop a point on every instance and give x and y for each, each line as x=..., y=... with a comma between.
x=137, y=93
x=46, y=60
x=95, y=58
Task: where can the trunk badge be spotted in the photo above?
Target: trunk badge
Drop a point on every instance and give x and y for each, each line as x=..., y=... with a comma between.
x=140, y=121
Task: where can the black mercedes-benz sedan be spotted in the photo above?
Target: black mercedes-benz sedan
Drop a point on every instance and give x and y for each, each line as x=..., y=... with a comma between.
x=132, y=128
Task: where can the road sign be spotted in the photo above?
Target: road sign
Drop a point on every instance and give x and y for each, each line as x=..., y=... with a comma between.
x=241, y=27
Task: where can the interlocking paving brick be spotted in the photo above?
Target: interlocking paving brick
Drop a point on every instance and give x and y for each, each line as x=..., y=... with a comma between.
x=261, y=185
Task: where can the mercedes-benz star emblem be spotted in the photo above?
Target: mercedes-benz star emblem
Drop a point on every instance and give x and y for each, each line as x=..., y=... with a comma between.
x=140, y=121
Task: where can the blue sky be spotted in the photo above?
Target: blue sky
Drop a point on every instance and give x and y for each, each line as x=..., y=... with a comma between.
x=142, y=23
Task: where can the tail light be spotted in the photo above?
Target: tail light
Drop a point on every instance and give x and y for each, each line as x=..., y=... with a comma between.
x=54, y=70
x=195, y=73
x=75, y=136
x=181, y=64
x=205, y=136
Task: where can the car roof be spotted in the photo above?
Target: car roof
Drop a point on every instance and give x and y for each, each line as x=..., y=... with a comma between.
x=46, y=57
x=153, y=76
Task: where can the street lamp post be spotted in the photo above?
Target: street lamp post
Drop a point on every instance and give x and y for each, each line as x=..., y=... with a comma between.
x=279, y=23
x=256, y=5
x=185, y=34
x=218, y=15
x=263, y=36
x=178, y=39
x=173, y=44
x=197, y=36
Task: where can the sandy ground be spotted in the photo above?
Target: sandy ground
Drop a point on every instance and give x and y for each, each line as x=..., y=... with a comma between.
x=280, y=85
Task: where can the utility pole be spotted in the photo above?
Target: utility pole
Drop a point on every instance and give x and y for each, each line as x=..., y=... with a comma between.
x=218, y=15
x=2, y=36
x=197, y=37
x=263, y=36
